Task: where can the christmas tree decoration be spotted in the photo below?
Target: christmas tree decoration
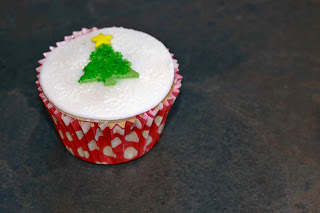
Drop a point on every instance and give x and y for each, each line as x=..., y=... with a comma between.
x=105, y=64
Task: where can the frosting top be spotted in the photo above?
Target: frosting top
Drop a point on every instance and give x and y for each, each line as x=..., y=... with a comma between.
x=63, y=68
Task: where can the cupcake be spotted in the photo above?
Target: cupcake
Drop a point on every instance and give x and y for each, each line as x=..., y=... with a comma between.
x=108, y=92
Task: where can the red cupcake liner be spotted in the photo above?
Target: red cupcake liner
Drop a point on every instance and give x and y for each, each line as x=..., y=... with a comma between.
x=110, y=142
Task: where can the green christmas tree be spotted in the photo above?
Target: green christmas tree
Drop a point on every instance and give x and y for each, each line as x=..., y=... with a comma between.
x=105, y=64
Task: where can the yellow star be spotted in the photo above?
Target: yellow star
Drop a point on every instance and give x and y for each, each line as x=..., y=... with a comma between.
x=101, y=39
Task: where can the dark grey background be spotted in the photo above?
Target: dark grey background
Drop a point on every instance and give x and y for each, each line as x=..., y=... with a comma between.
x=243, y=135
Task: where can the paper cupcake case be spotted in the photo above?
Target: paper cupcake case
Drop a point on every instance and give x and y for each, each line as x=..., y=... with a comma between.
x=110, y=142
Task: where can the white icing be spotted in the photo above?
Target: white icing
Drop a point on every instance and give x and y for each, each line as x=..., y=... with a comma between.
x=149, y=57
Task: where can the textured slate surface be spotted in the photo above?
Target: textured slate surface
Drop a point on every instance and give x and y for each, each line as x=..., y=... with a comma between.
x=243, y=135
